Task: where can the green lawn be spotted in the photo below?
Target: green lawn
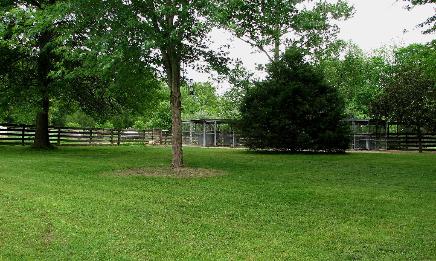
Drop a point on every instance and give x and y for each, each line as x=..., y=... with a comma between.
x=63, y=204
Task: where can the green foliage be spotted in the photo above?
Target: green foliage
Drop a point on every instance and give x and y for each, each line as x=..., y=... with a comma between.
x=409, y=94
x=429, y=24
x=266, y=25
x=357, y=77
x=200, y=101
x=79, y=119
x=294, y=110
x=104, y=84
x=240, y=81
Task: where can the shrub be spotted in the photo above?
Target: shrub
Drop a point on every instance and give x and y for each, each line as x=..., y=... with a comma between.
x=294, y=109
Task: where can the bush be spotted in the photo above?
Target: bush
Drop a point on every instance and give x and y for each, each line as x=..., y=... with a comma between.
x=294, y=109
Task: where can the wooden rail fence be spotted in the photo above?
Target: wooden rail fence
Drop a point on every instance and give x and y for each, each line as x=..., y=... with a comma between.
x=14, y=134
x=393, y=141
x=25, y=134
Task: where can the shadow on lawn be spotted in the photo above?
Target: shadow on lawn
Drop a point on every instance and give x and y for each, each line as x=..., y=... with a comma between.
x=294, y=152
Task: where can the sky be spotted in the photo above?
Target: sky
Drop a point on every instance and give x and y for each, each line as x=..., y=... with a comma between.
x=375, y=24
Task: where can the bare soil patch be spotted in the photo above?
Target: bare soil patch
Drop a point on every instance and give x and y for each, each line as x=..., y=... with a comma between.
x=169, y=172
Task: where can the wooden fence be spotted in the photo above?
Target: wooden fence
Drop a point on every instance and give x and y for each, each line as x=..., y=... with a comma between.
x=393, y=141
x=25, y=134
x=370, y=134
x=14, y=134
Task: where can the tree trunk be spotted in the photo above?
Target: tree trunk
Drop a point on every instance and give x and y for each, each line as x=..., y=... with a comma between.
x=176, y=111
x=172, y=68
x=42, y=139
x=276, y=49
x=277, y=43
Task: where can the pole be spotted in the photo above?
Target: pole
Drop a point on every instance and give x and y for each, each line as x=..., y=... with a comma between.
x=387, y=134
x=23, y=129
x=59, y=137
x=353, y=124
x=204, y=134
x=190, y=133
x=214, y=134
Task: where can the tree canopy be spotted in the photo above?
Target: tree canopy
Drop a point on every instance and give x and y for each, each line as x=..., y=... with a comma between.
x=267, y=25
x=429, y=25
x=409, y=93
x=358, y=78
x=46, y=66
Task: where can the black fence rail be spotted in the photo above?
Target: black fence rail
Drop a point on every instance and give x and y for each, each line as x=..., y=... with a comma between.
x=403, y=141
x=364, y=137
x=14, y=134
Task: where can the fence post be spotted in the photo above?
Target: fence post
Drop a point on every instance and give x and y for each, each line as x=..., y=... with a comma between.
x=59, y=137
x=119, y=137
x=90, y=136
x=214, y=134
x=161, y=137
x=23, y=129
x=144, y=136
x=407, y=142
x=233, y=139
x=190, y=133
x=204, y=134
x=353, y=127
x=112, y=137
x=387, y=135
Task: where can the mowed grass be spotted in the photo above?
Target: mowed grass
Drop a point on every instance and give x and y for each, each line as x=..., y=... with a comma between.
x=63, y=204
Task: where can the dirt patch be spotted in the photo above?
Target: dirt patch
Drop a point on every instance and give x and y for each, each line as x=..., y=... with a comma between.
x=48, y=235
x=168, y=172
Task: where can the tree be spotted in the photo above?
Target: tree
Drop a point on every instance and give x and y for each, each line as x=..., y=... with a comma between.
x=294, y=109
x=45, y=65
x=29, y=33
x=357, y=77
x=200, y=101
x=429, y=22
x=169, y=34
x=268, y=24
x=409, y=93
x=240, y=81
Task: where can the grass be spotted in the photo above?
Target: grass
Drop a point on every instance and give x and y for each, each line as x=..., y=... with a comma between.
x=368, y=206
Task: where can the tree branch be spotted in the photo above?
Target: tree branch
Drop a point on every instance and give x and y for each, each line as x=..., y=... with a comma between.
x=258, y=46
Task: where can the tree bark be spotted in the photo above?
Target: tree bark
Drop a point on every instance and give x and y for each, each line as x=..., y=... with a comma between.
x=172, y=68
x=42, y=138
x=176, y=111
x=276, y=49
x=277, y=43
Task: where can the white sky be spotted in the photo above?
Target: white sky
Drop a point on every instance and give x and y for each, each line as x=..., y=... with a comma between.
x=376, y=23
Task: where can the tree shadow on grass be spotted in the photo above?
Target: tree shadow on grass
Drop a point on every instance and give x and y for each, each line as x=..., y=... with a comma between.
x=294, y=152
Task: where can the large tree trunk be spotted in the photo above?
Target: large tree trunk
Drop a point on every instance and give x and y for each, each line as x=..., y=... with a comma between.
x=172, y=68
x=42, y=139
x=176, y=111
